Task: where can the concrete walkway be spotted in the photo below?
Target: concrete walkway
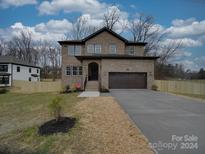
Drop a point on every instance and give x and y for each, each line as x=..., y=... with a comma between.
x=89, y=94
x=166, y=120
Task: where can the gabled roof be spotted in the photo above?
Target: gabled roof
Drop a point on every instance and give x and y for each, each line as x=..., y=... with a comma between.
x=97, y=33
x=103, y=30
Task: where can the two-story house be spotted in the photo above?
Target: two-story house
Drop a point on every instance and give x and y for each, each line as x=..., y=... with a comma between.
x=105, y=60
x=13, y=69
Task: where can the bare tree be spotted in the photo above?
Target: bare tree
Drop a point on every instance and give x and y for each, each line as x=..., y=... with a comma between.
x=168, y=51
x=80, y=29
x=111, y=18
x=143, y=29
x=22, y=47
x=54, y=54
x=3, y=47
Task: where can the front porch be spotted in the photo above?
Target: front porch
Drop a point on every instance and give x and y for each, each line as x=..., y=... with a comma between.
x=91, y=75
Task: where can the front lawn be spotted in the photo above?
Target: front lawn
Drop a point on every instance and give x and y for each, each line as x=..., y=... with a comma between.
x=102, y=126
x=20, y=116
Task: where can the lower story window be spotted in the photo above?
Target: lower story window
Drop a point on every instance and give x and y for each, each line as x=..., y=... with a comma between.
x=68, y=70
x=74, y=70
x=4, y=79
x=80, y=70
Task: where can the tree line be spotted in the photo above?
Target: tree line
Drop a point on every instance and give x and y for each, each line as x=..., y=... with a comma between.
x=47, y=54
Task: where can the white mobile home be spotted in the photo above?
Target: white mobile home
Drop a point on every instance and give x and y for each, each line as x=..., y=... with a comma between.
x=14, y=69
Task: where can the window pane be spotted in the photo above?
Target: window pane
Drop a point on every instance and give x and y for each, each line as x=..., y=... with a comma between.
x=75, y=70
x=71, y=50
x=18, y=68
x=130, y=50
x=4, y=79
x=3, y=68
x=97, y=48
x=68, y=72
x=112, y=48
x=80, y=70
x=77, y=50
x=90, y=48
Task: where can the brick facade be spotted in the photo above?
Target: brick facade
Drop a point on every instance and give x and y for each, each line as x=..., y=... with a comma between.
x=106, y=65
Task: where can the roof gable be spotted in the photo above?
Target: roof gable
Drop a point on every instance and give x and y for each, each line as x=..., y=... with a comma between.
x=99, y=32
x=104, y=29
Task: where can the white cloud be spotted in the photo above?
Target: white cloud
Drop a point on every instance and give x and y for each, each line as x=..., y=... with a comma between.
x=193, y=64
x=52, y=30
x=185, y=42
x=182, y=53
x=180, y=22
x=54, y=26
x=8, y=3
x=202, y=39
x=189, y=64
x=83, y=6
x=184, y=28
x=200, y=61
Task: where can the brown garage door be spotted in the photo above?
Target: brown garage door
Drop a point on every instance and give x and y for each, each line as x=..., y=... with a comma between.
x=125, y=80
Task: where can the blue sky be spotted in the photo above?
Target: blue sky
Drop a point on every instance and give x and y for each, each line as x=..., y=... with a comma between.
x=181, y=19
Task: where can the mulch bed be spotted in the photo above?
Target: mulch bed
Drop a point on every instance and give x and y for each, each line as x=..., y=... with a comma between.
x=61, y=126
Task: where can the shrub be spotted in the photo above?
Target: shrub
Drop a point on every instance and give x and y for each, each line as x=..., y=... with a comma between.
x=3, y=90
x=67, y=88
x=56, y=108
x=154, y=87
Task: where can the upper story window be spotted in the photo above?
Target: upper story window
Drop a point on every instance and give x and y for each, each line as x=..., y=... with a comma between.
x=94, y=48
x=74, y=50
x=130, y=50
x=29, y=70
x=3, y=68
x=112, y=49
x=18, y=69
x=37, y=70
x=97, y=48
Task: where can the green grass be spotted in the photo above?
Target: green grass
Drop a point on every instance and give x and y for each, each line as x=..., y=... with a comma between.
x=192, y=95
x=20, y=117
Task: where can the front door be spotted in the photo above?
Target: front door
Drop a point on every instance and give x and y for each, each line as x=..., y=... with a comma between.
x=93, y=71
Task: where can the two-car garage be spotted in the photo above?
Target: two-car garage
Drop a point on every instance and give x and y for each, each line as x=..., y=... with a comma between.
x=127, y=80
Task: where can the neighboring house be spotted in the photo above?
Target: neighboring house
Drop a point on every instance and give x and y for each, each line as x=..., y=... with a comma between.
x=14, y=69
x=105, y=60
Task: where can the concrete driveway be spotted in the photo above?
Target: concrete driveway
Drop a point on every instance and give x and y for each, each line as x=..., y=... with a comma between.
x=173, y=124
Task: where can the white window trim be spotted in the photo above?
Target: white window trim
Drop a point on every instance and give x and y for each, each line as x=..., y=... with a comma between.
x=94, y=46
x=110, y=51
x=71, y=70
x=74, y=54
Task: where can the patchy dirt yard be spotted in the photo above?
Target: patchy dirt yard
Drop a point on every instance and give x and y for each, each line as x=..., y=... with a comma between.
x=102, y=127
x=107, y=129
